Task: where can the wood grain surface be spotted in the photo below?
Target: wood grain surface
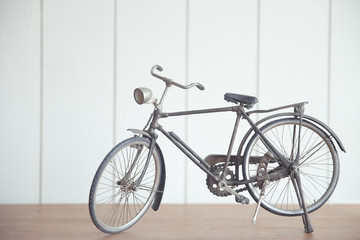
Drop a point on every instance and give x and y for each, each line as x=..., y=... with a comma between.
x=178, y=222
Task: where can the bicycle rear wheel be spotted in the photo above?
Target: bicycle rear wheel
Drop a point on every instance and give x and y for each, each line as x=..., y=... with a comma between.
x=115, y=204
x=318, y=166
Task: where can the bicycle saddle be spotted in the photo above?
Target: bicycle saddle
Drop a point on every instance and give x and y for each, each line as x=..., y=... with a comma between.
x=247, y=101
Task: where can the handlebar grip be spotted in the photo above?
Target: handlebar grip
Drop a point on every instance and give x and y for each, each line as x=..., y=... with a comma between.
x=159, y=68
x=200, y=86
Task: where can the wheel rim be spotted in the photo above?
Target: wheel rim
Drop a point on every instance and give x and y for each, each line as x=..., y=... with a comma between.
x=318, y=167
x=117, y=203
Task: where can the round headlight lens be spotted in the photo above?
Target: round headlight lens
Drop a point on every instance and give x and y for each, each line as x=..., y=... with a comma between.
x=142, y=95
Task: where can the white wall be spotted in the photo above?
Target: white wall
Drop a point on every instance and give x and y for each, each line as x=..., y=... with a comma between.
x=20, y=101
x=68, y=70
x=77, y=95
x=344, y=92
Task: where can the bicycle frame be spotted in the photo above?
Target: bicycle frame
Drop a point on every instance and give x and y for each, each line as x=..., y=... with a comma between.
x=278, y=174
x=291, y=165
x=194, y=157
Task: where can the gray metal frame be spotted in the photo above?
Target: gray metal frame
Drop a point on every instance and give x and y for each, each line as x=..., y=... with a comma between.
x=291, y=167
x=193, y=156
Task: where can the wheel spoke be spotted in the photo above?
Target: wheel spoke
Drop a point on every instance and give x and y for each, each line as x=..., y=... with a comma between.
x=318, y=166
x=114, y=203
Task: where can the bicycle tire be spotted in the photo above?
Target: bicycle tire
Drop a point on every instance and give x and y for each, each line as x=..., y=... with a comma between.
x=114, y=204
x=319, y=166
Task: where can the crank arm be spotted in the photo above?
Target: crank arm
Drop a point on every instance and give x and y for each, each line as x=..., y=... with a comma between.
x=238, y=198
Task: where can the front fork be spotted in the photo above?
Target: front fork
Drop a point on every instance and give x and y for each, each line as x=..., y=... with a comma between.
x=151, y=149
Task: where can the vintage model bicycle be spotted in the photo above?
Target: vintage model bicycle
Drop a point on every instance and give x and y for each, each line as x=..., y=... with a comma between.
x=289, y=163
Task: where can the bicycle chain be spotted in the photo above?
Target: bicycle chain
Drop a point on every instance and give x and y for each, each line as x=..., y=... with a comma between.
x=213, y=186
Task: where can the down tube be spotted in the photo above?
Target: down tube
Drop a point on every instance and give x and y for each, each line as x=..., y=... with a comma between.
x=189, y=153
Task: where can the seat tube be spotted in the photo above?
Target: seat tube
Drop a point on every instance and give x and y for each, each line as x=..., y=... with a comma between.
x=239, y=114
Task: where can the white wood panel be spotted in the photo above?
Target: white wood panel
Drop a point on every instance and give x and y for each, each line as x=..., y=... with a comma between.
x=19, y=101
x=78, y=83
x=345, y=85
x=294, y=54
x=78, y=96
x=148, y=33
x=222, y=56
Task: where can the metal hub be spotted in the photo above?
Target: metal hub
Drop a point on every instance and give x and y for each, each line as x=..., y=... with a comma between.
x=126, y=186
x=294, y=170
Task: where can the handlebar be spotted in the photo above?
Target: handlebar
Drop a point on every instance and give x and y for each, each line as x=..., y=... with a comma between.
x=170, y=82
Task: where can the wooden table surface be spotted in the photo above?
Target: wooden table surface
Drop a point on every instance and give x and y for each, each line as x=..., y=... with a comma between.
x=178, y=222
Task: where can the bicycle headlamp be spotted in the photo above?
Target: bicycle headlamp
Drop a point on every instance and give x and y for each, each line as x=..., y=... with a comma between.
x=142, y=95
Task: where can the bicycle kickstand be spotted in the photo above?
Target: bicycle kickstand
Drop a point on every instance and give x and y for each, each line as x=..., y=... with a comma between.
x=262, y=194
x=299, y=192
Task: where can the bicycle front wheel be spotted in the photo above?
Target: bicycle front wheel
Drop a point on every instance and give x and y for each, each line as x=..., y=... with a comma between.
x=318, y=166
x=115, y=203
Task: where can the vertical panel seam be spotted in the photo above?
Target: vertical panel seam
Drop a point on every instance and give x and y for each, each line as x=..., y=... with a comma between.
x=41, y=103
x=258, y=54
x=329, y=69
x=115, y=73
x=329, y=63
x=186, y=124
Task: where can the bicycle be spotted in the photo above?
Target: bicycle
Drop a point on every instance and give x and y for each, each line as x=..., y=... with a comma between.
x=289, y=163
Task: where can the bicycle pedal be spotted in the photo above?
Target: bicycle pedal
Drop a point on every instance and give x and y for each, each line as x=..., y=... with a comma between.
x=241, y=199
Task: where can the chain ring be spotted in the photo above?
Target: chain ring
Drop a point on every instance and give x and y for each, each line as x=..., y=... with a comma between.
x=213, y=187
